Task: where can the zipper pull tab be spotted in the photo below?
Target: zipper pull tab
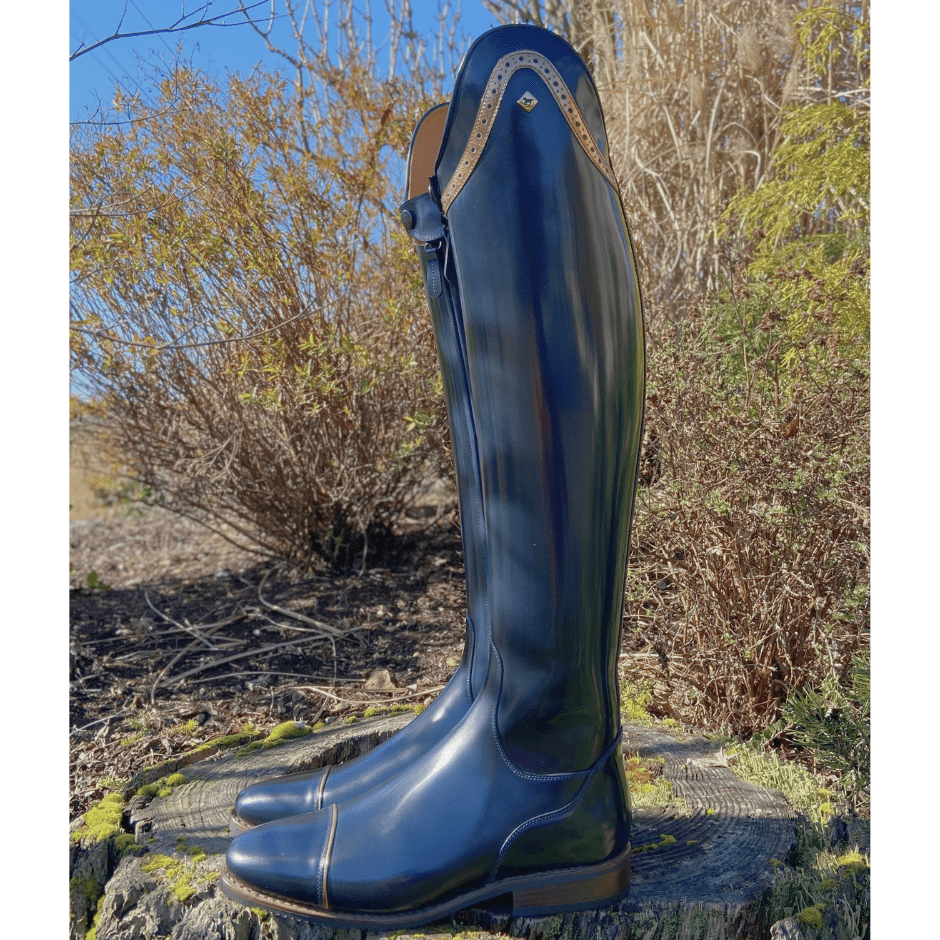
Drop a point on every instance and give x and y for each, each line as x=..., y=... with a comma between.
x=423, y=221
x=432, y=276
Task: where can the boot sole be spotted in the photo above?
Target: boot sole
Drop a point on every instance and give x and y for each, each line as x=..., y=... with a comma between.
x=556, y=892
x=236, y=826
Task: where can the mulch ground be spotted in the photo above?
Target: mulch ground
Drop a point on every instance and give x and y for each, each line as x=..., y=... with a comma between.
x=172, y=643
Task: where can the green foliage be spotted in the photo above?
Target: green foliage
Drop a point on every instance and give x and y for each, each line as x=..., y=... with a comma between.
x=94, y=582
x=809, y=218
x=833, y=722
x=821, y=889
x=634, y=701
x=800, y=788
x=249, y=327
x=824, y=894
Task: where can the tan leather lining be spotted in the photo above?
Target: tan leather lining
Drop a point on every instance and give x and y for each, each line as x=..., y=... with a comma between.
x=495, y=88
x=424, y=150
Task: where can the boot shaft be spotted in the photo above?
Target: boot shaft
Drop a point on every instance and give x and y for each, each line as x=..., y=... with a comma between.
x=536, y=258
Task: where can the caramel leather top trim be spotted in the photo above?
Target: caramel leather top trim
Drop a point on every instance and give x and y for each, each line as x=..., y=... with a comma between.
x=495, y=89
x=424, y=150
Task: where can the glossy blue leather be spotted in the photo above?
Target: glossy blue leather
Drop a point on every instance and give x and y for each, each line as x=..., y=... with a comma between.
x=306, y=792
x=538, y=294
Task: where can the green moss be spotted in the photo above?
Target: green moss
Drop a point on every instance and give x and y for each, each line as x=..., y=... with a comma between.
x=226, y=741
x=93, y=929
x=665, y=841
x=125, y=844
x=648, y=787
x=371, y=711
x=162, y=787
x=250, y=749
x=170, y=765
x=810, y=917
x=87, y=887
x=710, y=811
x=279, y=733
x=418, y=708
x=182, y=876
x=318, y=727
x=671, y=723
x=103, y=820
x=287, y=730
x=260, y=913
x=349, y=720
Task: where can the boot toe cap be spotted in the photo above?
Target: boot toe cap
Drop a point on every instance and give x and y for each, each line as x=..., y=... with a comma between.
x=280, y=798
x=282, y=858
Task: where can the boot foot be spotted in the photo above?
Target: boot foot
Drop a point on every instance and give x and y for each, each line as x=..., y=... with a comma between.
x=589, y=887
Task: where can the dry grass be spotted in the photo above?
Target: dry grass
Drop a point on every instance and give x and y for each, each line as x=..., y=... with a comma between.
x=92, y=483
x=693, y=94
x=750, y=574
x=248, y=317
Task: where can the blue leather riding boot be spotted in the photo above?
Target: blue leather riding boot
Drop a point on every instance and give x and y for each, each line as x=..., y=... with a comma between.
x=525, y=801
x=309, y=791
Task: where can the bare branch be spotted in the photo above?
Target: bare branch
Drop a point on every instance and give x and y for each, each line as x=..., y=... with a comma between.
x=179, y=26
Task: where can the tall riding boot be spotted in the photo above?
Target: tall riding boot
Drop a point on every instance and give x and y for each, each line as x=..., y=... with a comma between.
x=312, y=790
x=526, y=798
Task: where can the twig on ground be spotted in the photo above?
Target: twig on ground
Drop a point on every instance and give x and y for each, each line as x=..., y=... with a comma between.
x=211, y=628
x=185, y=627
x=327, y=628
x=348, y=701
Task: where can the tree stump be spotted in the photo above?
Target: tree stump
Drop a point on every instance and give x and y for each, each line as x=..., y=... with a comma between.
x=700, y=872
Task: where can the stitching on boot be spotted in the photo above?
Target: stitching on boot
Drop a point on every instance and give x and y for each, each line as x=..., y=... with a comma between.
x=489, y=106
x=322, y=788
x=325, y=860
x=525, y=775
x=557, y=814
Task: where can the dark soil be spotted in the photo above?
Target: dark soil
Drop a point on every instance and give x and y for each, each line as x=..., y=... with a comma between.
x=128, y=706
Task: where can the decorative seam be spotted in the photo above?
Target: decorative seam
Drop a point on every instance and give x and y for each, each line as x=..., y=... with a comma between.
x=322, y=788
x=325, y=859
x=557, y=814
x=486, y=115
x=537, y=778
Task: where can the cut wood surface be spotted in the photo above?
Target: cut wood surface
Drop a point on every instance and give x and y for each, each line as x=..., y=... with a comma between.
x=700, y=870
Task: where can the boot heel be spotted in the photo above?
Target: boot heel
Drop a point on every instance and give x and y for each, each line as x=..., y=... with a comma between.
x=575, y=890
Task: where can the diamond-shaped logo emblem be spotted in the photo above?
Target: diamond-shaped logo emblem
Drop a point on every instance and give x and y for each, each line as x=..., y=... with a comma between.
x=528, y=101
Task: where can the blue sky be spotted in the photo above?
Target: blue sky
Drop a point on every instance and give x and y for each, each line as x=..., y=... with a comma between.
x=92, y=76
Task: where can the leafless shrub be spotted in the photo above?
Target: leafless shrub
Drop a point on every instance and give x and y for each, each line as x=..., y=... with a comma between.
x=249, y=324
x=750, y=565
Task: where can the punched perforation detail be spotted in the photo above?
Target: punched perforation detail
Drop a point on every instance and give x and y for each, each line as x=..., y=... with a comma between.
x=492, y=99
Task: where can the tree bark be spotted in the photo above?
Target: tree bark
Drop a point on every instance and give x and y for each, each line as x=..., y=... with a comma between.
x=708, y=884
